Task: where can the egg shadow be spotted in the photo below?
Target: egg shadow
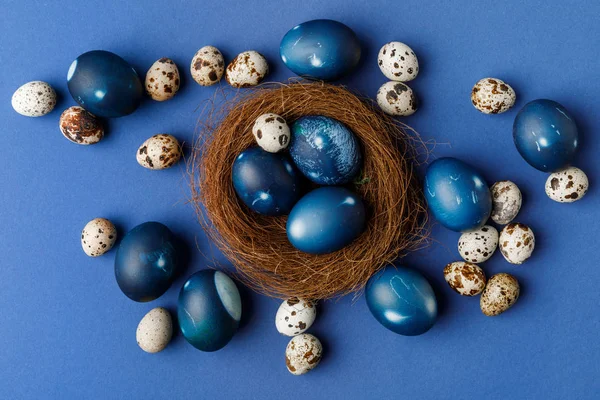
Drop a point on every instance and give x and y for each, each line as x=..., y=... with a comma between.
x=184, y=257
x=246, y=296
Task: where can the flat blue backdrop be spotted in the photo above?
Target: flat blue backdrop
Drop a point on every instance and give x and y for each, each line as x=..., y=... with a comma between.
x=66, y=331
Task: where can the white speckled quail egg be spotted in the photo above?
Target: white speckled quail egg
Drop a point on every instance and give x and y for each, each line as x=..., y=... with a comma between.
x=159, y=152
x=567, y=186
x=516, y=242
x=396, y=98
x=500, y=294
x=247, y=69
x=98, y=237
x=493, y=96
x=207, y=66
x=162, y=80
x=80, y=126
x=507, y=200
x=295, y=316
x=34, y=99
x=478, y=246
x=398, y=62
x=303, y=353
x=155, y=330
x=271, y=132
x=465, y=278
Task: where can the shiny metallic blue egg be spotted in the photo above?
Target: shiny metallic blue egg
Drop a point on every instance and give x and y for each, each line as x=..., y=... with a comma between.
x=320, y=49
x=209, y=310
x=457, y=195
x=545, y=135
x=104, y=84
x=402, y=300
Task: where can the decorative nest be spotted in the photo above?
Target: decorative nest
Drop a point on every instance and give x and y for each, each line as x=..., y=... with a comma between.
x=257, y=245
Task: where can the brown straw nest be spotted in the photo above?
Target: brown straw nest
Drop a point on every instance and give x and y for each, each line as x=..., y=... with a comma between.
x=257, y=245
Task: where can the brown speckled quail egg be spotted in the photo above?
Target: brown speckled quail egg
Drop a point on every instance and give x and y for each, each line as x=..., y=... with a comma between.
x=303, y=353
x=398, y=62
x=155, y=330
x=500, y=293
x=98, y=237
x=507, y=200
x=162, y=80
x=295, y=316
x=159, y=152
x=271, y=132
x=80, y=126
x=247, y=69
x=567, y=186
x=478, y=246
x=396, y=98
x=493, y=96
x=34, y=99
x=516, y=242
x=207, y=66
x=465, y=278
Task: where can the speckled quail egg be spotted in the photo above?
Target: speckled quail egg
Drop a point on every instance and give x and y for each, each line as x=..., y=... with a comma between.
x=159, y=152
x=516, y=242
x=98, y=237
x=478, y=246
x=465, y=278
x=80, y=126
x=34, y=99
x=247, y=69
x=507, y=200
x=295, y=316
x=155, y=330
x=398, y=62
x=567, y=186
x=303, y=353
x=396, y=98
x=493, y=96
x=162, y=80
x=271, y=132
x=501, y=292
x=207, y=66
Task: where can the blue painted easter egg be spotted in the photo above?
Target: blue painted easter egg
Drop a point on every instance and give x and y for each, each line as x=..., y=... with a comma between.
x=209, y=310
x=325, y=220
x=402, y=300
x=146, y=261
x=320, y=49
x=104, y=84
x=457, y=195
x=545, y=135
x=324, y=150
x=267, y=183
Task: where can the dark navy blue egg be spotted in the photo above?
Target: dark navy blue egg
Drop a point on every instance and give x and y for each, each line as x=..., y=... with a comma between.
x=209, y=310
x=325, y=150
x=320, y=49
x=146, y=261
x=457, y=195
x=267, y=183
x=545, y=135
x=402, y=300
x=104, y=84
x=325, y=220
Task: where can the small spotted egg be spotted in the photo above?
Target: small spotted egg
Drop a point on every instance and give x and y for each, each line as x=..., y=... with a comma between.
x=501, y=293
x=207, y=66
x=507, y=200
x=162, y=80
x=271, y=132
x=398, y=62
x=396, y=98
x=303, y=353
x=295, y=316
x=493, y=96
x=98, y=237
x=34, y=99
x=80, y=126
x=516, y=242
x=247, y=69
x=567, y=186
x=159, y=152
x=465, y=278
x=155, y=330
x=478, y=246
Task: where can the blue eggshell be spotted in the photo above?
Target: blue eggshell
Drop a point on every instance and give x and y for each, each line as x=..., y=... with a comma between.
x=104, y=84
x=402, y=300
x=325, y=220
x=146, y=261
x=209, y=310
x=324, y=150
x=457, y=195
x=267, y=183
x=545, y=135
x=320, y=49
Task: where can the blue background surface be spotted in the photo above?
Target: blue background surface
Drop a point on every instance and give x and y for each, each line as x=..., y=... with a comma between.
x=68, y=332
